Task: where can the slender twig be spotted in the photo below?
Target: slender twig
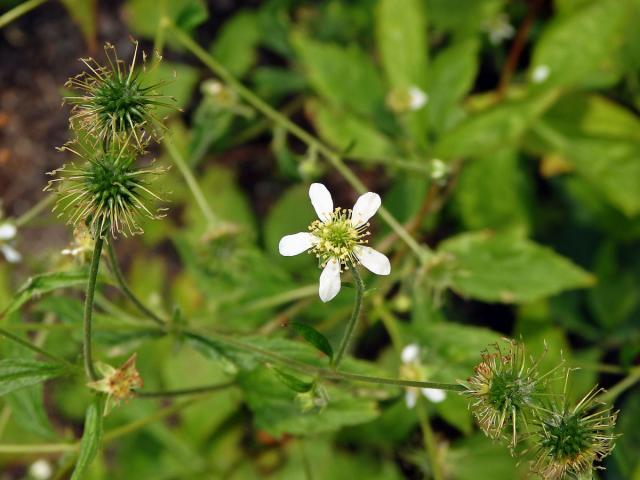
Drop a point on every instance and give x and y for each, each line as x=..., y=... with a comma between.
x=37, y=349
x=115, y=267
x=517, y=47
x=88, y=309
x=186, y=172
x=263, y=107
x=34, y=211
x=429, y=439
x=353, y=320
x=18, y=11
x=614, y=392
x=184, y=391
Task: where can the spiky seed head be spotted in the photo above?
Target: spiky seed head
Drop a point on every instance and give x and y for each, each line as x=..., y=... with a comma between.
x=504, y=388
x=570, y=440
x=117, y=99
x=105, y=191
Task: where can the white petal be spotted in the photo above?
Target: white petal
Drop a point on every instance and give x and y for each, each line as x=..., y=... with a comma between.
x=330, y=281
x=11, y=254
x=417, y=98
x=321, y=200
x=375, y=261
x=434, y=394
x=411, y=397
x=40, y=469
x=7, y=231
x=294, y=244
x=410, y=353
x=366, y=206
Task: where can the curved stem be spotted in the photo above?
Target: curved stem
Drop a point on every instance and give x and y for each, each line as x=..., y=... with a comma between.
x=34, y=211
x=429, y=440
x=18, y=11
x=353, y=321
x=185, y=391
x=88, y=309
x=115, y=267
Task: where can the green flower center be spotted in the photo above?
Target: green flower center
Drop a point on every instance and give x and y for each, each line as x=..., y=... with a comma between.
x=112, y=181
x=508, y=390
x=121, y=101
x=567, y=437
x=337, y=237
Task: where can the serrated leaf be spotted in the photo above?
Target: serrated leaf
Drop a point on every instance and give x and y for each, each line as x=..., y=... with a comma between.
x=91, y=437
x=505, y=268
x=580, y=48
x=16, y=373
x=294, y=383
x=41, y=284
x=27, y=409
x=314, y=337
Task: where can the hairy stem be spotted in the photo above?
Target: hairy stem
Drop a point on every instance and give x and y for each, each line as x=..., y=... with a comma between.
x=263, y=107
x=353, y=321
x=88, y=309
x=115, y=267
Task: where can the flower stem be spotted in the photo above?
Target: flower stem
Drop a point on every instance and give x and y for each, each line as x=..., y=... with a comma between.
x=185, y=391
x=34, y=211
x=268, y=111
x=37, y=349
x=429, y=439
x=18, y=11
x=115, y=266
x=353, y=321
x=88, y=309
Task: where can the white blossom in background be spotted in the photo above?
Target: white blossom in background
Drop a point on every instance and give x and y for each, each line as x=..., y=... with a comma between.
x=403, y=100
x=338, y=239
x=499, y=29
x=40, y=470
x=540, y=73
x=412, y=369
x=82, y=244
x=8, y=232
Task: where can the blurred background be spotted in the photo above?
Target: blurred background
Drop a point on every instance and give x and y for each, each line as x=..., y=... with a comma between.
x=503, y=134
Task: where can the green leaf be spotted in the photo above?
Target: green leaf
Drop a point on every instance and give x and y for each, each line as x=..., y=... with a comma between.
x=345, y=76
x=27, y=409
x=181, y=80
x=44, y=283
x=401, y=34
x=579, y=49
x=143, y=16
x=91, y=437
x=83, y=13
x=16, y=373
x=508, y=269
x=492, y=192
x=452, y=74
x=314, y=337
x=294, y=383
x=462, y=16
x=346, y=131
x=275, y=409
x=494, y=129
x=235, y=46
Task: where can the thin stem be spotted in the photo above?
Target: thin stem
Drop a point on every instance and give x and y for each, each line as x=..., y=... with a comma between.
x=115, y=267
x=321, y=372
x=353, y=321
x=18, y=11
x=614, y=392
x=88, y=309
x=191, y=182
x=34, y=211
x=37, y=349
x=429, y=439
x=185, y=391
x=263, y=107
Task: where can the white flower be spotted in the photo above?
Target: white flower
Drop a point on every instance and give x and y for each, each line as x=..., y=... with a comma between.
x=540, y=73
x=7, y=233
x=499, y=29
x=412, y=369
x=417, y=98
x=82, y=243
x=337, y=239
x=40, y=469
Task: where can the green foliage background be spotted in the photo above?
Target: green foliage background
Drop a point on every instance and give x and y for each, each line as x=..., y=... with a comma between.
x=533, y=234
